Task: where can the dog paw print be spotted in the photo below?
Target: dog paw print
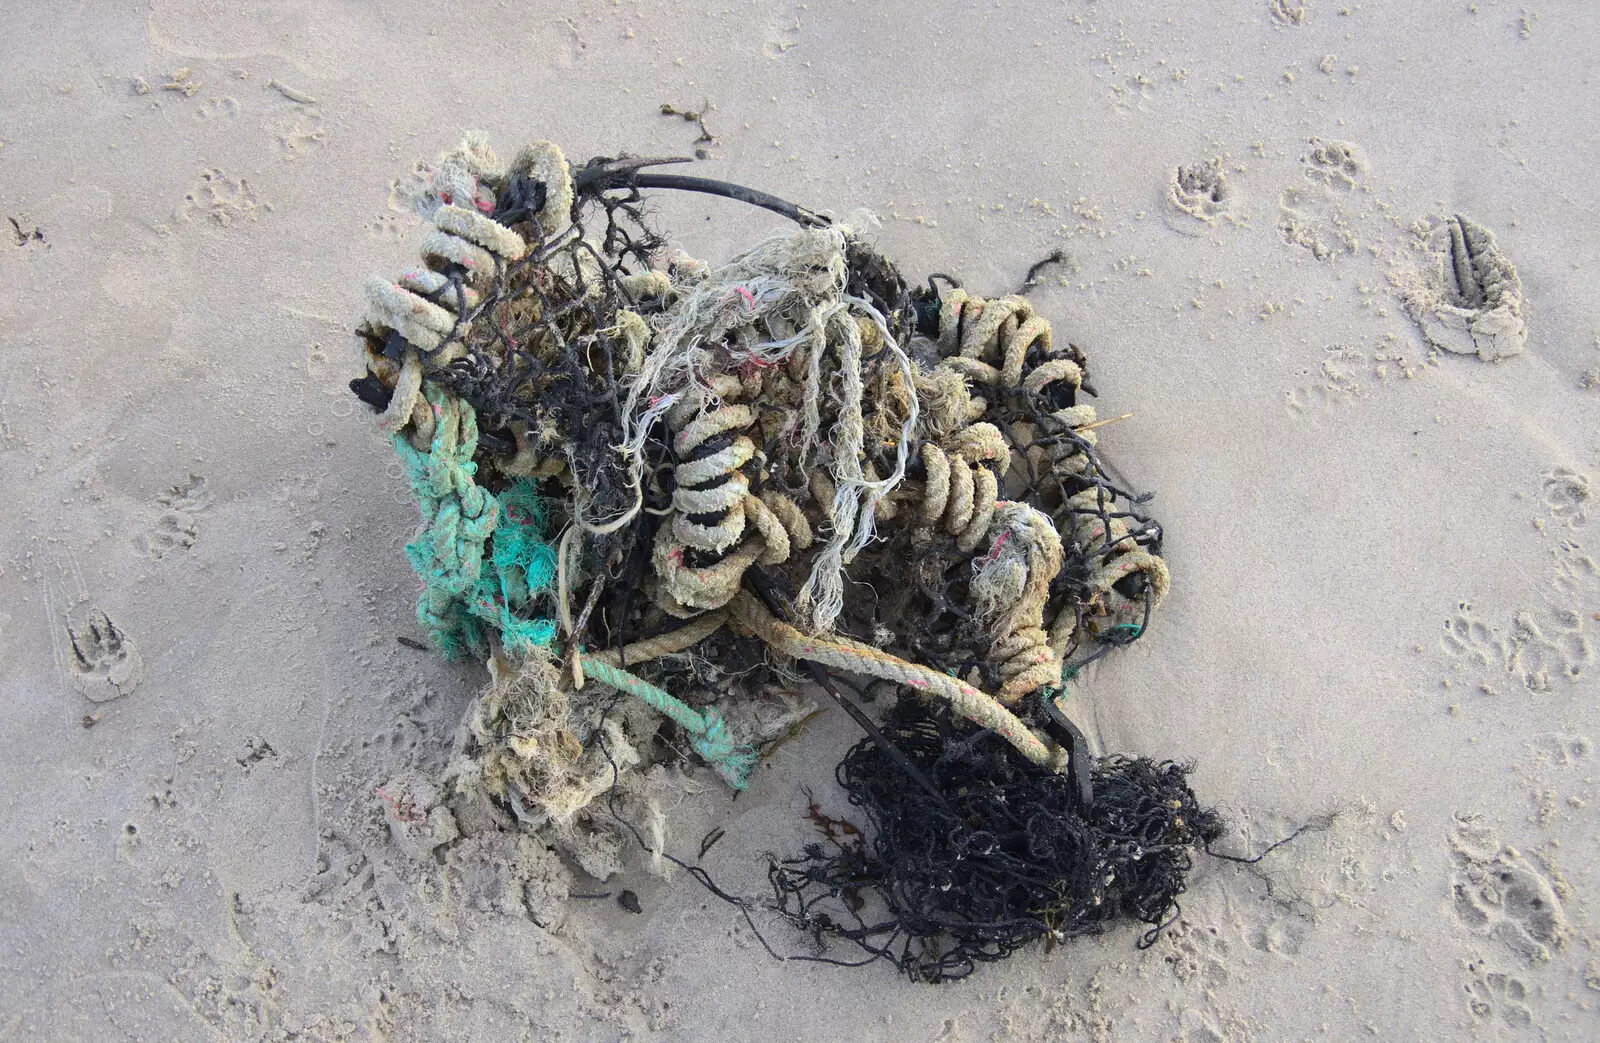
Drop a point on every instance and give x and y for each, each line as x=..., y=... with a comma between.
x=1495, y=992
x=1497, y=893
x=1558, y=650
x=1566, y=494
x=389, y=228
x=1197, y=195
x=1335, y=164
x=1316, y=224
x=101, y=658
x=176, y=527
x=1468, y=637
x=305, y=131
x=222, y=108
x=173, y=530
x=1199, y=955
x=1283, y=935
x=1288, y=12
x=1575, y=573
x=221, y=199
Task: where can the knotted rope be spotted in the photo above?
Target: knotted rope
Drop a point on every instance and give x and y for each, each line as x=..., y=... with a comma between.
x=458, y=517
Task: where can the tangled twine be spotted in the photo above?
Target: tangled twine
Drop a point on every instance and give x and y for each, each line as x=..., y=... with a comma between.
x=945, y=895
x=907, y=474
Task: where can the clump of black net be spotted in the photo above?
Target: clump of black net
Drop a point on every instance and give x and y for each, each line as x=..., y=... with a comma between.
x=1006, y=856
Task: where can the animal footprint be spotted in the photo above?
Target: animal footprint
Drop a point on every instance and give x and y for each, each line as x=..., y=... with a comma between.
x=1537, y=653
x=173, y=530
x=306, y=130
x=1335, y=164
x=1287, y=12
x=1566, y=493
x=1491, y=991
x=1464, y=294
x=104, y=662
x=1466, y=636
x=1316, y=225
x=387, y=228
x=1199, y=955
x=219, y=197
x=1575, y=573
x=1283, y=935
x=217, y=108
x=1196, y=196
x=176, y=528
x=1498, y=893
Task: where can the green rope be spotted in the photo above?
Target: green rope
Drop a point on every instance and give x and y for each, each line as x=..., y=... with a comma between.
x=463, y=525
x=712, y=739
x=523, y=567
x=458, y=516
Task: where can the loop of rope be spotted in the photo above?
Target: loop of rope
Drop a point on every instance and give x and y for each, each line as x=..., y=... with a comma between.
x=855, y=657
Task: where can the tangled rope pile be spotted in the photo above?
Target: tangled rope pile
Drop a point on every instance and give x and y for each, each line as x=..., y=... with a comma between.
x=640, y=474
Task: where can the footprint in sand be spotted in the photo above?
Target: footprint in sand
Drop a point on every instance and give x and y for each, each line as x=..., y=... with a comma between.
x=1317, y=216
x=1538, y=649
x=1557, y=649
x=389, y=228
x=1466, y=636
x=1197, y=196
x=1283, y=935
x=176, y=528
x=219, y=198
x=1336, y=164
x=1288, y=12
x=1199, y=956
x=1492, y=992
x=221, y=108
x=1497, y=893
x=1464, y=294
x=103, y=661
x=1566, y=493
x=305, y=130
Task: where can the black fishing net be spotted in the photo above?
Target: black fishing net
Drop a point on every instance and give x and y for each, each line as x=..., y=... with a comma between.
x=1005, y=855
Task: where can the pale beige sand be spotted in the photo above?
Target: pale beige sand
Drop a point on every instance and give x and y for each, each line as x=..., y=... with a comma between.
x=1385, y=595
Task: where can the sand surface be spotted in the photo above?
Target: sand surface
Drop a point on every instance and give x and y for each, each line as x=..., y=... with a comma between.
x=1385, y=594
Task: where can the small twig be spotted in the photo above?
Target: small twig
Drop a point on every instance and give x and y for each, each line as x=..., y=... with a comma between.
x=1103, y=423
x=709, y=841
x=410, y=642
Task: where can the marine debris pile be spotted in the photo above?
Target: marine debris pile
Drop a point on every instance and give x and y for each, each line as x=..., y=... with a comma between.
x=665, y=500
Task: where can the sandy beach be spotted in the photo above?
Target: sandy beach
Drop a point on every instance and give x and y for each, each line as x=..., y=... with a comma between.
x=1374, y=468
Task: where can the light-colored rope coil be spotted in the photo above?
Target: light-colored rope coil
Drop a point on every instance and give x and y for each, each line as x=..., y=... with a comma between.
x=717, y=528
